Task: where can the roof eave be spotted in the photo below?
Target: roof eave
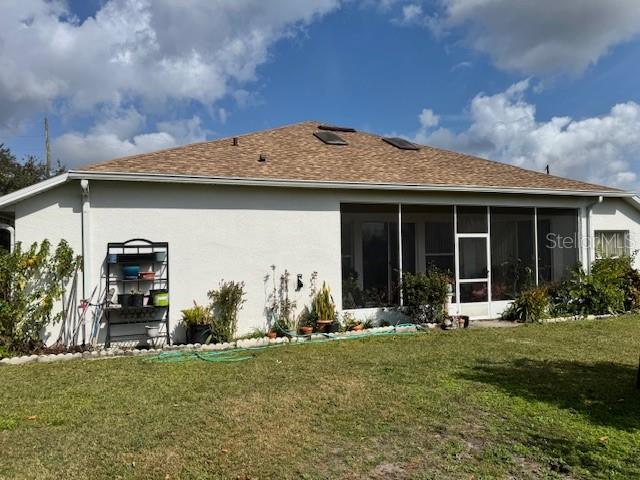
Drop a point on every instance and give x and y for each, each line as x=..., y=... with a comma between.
x=178, y=178
x=32, y=190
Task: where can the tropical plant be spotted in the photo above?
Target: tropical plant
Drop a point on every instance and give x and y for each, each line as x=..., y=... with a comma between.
x=530, y=305
x=196, y=315
x=31, y=283
x=306, y=318
x=226, y=303
x=322, y=304
x=349, y=321
x=425, y=295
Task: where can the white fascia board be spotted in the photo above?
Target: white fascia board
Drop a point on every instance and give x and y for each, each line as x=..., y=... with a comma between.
x=260, y=182
x=30, y=191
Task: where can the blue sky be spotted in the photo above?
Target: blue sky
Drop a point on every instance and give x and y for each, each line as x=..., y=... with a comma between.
x=484, y=83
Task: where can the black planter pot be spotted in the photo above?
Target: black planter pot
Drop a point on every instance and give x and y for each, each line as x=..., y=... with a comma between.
x=334, y=328
x=136, y=300
x=198, y=333
x=124, y=299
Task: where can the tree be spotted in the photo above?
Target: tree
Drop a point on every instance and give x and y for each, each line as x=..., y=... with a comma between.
x=15, y=175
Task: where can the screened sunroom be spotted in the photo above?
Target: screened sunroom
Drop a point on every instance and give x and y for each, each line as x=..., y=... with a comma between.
x=490, y=253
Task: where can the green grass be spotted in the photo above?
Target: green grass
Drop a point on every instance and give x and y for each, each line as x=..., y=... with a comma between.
x=553, y=401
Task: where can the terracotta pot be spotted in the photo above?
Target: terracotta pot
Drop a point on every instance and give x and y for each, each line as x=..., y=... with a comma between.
x=306, y=330
x=272, y=334
x=358, y=327
x=323, y=325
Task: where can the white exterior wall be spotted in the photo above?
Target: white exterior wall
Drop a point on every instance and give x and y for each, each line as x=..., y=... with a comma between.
x=237, y=233
x=617, y=214
x=53, y=215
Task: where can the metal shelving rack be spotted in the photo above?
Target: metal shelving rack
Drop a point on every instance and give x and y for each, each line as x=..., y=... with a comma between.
x=143, y=252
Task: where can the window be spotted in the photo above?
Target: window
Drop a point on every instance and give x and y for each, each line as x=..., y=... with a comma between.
x=557, y=243
x=6, y=237
x=513, y=262
x=612, y=243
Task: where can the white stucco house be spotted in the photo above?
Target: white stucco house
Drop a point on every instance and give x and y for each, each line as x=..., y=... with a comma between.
x=315, y=198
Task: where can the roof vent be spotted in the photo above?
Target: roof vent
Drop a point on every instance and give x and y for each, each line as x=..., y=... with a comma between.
x=235, y=141
x=333, y=128
x=401, y=143
x=262, y=157
x=330, y=138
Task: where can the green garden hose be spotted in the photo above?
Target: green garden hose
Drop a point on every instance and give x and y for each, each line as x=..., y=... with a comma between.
x=241, y=354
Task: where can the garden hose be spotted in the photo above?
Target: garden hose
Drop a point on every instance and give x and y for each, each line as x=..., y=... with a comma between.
x=241, y=354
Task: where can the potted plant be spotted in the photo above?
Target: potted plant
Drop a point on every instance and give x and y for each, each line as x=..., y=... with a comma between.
x=136, y=299
x=197, y=321
x=350, y=322
x=324, y=308
x=306, y=322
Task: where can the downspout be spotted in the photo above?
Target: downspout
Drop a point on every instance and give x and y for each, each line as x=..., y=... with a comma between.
x=590, y=236
x=86, y=247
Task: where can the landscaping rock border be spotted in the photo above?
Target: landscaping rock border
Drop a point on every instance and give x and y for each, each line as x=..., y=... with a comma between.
x=115, y=352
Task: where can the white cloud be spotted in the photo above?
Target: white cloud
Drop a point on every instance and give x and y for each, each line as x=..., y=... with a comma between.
x=119, y=136
x=428, y=119
x=145, y=51
x=603, y=149
x=538, y=36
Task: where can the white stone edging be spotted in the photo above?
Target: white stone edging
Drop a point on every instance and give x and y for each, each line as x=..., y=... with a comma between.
x=115, y=352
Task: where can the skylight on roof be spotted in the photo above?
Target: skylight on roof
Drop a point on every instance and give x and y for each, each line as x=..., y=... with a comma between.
x=401, y=143
x=330, y=138
x=334, y=128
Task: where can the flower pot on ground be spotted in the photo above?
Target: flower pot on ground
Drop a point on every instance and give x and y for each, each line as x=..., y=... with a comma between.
x=272, y=334
x=197, y=319
x=357, y=328
x=306, y=330
x=324, y=309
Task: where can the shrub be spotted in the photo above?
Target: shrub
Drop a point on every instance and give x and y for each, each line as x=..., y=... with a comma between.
x=530, y=305
x=31, y=283
x=226, y=303
x=425, y=295
x=613, y=286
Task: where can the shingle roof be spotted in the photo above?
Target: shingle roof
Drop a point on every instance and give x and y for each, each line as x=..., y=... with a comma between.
x=294, y=153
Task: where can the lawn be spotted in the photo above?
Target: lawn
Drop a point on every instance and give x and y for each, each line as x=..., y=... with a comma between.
x=538, y=401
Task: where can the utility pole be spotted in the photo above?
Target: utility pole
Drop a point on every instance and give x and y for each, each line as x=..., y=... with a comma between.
x=47, y=147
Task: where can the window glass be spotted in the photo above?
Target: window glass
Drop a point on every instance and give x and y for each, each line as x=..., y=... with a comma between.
x=512, y=251
x=472, y=219
x=473, y=258
x=474, y=292
x=612, y=243
x=5, y=239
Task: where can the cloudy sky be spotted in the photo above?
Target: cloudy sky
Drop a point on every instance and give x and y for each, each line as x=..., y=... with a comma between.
x=530, y=83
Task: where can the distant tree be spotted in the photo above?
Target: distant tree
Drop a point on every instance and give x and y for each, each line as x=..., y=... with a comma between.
x=15, y=175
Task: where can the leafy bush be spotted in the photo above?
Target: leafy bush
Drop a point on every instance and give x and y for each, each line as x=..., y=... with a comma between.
x=31, y=283
x=226, y=303
x=425, y=295
x=613, y=286
x=530, y=305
